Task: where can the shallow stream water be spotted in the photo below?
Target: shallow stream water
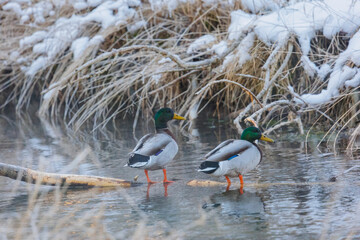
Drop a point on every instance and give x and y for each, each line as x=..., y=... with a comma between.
x=273, y=208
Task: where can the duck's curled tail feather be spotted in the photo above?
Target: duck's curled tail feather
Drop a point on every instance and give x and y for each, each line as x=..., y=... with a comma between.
x=208, y=167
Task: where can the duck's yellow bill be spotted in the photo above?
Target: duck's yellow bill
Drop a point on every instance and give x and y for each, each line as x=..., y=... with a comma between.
x=266, y=139
x=178, y=117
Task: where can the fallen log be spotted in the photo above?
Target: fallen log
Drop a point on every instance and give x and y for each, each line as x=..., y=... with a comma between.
x=53, y=179
x=85, y=181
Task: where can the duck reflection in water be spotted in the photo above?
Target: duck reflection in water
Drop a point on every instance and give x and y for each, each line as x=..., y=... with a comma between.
x=233, y=203
x=165, y=190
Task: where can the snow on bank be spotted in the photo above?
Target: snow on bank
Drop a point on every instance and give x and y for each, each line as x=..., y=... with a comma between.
x=79, y=45
x=39, y=11
x=66, y=32
x=200, y=43
x=171, y=5
x=274, y=22
x=262, y=5
x=302, y=20
x=341, y=74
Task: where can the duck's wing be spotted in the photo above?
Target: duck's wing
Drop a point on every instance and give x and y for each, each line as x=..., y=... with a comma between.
x=142, y=141
x=152, y=144
x=227, y=149
x=215, y=150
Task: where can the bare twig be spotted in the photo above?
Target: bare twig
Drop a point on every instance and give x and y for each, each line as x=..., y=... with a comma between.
x=295, y=120
x=248, y=91
x=268, y=83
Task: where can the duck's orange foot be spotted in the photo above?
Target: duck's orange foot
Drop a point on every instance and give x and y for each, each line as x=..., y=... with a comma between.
x=151, y=182
x=147, y=177
x=165, y=177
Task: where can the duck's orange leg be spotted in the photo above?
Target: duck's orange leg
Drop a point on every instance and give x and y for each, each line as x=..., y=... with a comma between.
x=241, y=184
x=241, y=180
x=229, y=183
x=147, y=177
x=165, y=189
x=165, y=177
x=148, y=191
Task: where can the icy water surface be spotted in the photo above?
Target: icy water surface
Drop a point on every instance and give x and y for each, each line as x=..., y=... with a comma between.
x=269, y=210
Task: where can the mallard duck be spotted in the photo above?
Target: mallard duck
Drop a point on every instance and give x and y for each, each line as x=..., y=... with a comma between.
x=233, y=158
x=155, y=150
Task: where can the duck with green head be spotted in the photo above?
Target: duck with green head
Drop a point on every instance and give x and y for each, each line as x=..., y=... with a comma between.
x=155, y=150
x=233, y=158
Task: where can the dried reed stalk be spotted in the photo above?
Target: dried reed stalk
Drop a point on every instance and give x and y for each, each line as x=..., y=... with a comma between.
x=135, y=73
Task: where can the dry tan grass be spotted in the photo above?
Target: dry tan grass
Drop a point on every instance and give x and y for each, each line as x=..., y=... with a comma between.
x=123, y=76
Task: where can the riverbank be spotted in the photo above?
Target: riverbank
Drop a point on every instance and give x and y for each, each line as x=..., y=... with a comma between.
x=274, y=64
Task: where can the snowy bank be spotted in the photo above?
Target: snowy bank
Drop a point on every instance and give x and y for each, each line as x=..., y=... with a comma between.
x=259, y=58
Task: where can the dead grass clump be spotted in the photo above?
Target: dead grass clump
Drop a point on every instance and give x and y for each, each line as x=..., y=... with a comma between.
x=142, y=69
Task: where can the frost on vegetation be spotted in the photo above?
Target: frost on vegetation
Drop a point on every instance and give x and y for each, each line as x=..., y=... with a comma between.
x=164, y=60
x=36, y=66
x=341, y=75
x=31, y=40
x=66, y=32
x=48, y=95
x=219, y=48
x=14, y=56
x=355, y=81
x=27, y=10
x=273, y=22
x=244, y=47
x=256, y=6
x=324, y=71
x=240, y=23
x=303, y=20
x=134, y=27
x=13, y=6
x=84, y=4
x=200, y=44
x=156, y=78
x=38, y=11
x=241, y=54
x=80, y=44
x=170, y=5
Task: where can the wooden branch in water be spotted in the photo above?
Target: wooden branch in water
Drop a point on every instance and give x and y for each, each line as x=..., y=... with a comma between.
x=210, y=183
x=68, y=180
